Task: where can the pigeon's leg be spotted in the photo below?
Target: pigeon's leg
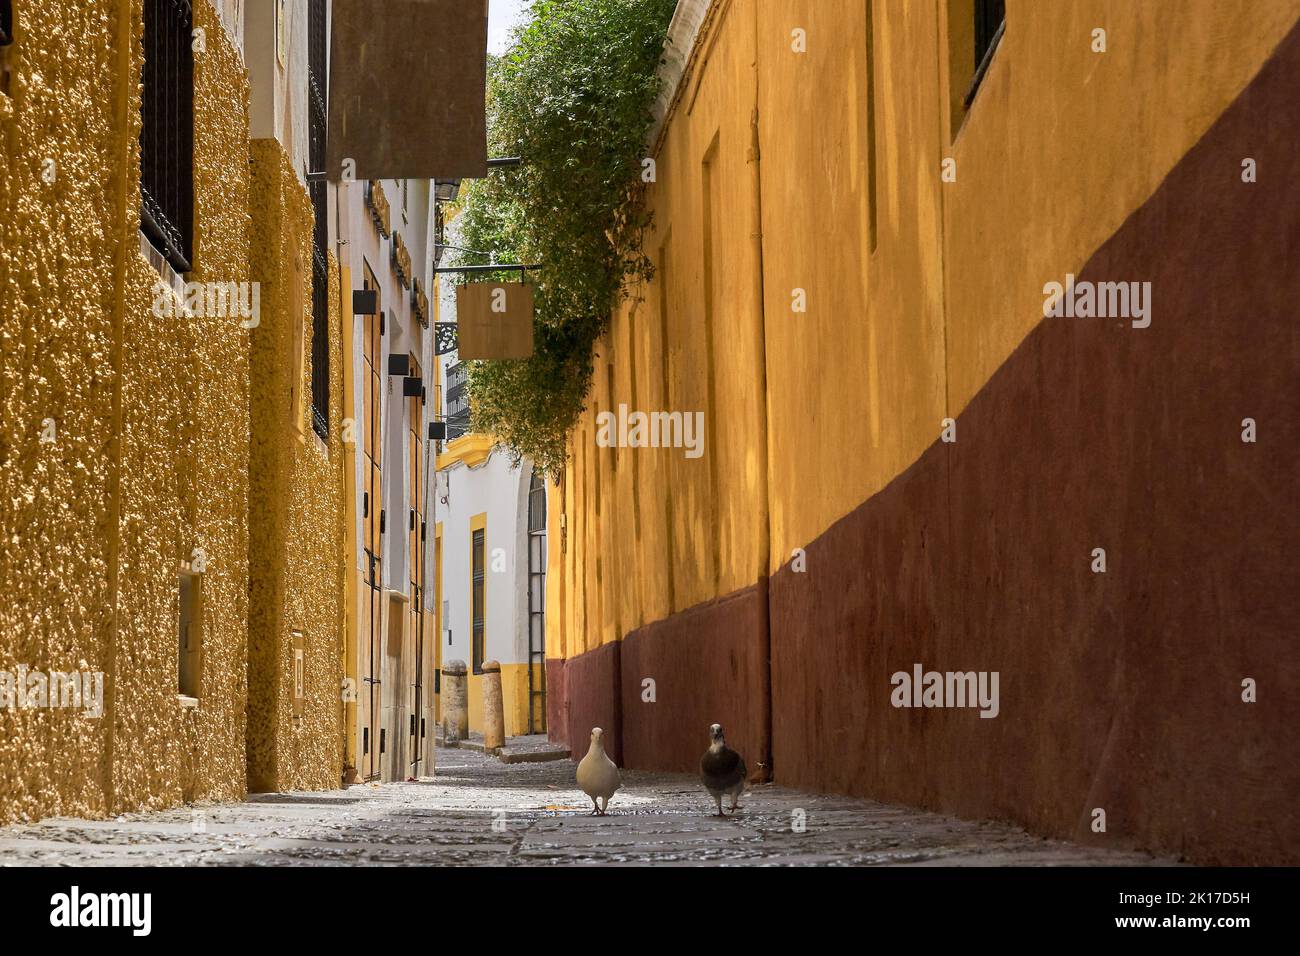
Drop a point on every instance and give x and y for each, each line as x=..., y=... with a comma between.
x=718, y=799
x=604, y=805
x=595, y=808
x=735, y=801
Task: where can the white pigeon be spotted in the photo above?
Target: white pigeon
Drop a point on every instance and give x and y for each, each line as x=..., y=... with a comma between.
x=722, y=770
x=597, y=774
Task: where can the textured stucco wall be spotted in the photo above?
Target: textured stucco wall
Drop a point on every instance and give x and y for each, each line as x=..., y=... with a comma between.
x=295, y=502
x=56, y=361
x=150, y=454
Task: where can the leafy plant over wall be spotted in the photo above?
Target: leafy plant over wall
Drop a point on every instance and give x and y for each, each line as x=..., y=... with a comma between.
x=573, y=97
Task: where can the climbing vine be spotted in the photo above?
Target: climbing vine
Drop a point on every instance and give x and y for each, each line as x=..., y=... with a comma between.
x=573, y=98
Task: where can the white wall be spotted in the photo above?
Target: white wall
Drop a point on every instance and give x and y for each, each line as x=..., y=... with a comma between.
x=403, y=334
x=278, y=106
x=501, y=490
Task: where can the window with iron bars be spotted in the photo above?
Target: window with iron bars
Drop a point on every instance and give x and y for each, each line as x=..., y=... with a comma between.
x=478, y=600
x=457, y=401
x=316, y=122
x=167, y=131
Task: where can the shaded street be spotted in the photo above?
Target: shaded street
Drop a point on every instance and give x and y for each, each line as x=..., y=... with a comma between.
x=480, y=811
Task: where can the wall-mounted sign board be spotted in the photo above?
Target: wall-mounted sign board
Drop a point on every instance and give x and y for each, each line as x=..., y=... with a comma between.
x=407, y=90
x=494, y=320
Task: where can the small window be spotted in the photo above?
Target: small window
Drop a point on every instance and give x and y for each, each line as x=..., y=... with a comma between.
x=536, y=503
x=990, y=19
x=457, y=410
x=167, y=132
x=190, y=634
x=299, y=673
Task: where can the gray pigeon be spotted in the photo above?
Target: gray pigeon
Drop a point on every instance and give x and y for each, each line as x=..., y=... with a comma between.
x=722, y=770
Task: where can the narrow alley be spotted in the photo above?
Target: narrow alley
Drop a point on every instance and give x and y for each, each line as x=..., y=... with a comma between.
x=480, y=811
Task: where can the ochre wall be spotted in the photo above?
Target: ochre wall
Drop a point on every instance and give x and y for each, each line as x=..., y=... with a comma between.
x=1060, y=146
x=640, y=543
x=296, y=500
x=822, y=425
x=151, y=452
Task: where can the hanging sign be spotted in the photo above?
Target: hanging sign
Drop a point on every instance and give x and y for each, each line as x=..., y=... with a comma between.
x=494, y=320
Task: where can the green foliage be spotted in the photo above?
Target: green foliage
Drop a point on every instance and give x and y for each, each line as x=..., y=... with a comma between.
x=573, y=98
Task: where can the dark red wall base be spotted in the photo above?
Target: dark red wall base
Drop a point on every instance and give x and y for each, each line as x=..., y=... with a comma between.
x=709, y=665
x=591, y=683
x=557, y=702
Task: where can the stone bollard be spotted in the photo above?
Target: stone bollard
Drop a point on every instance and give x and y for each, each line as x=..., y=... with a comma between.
x=455, y=702
x=494, y=717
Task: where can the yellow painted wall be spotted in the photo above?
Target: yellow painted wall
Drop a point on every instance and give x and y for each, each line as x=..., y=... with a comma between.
x=296, y=499
x=811, y=413
x=1061, y=188
x=149, y=459
x=1047, y=169
x=649, y=531
x=557, y=548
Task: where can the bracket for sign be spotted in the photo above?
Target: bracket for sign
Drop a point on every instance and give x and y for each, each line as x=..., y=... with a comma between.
x=444, y=270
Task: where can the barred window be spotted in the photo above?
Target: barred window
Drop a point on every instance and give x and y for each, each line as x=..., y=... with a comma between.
x=478, y=600
x=457, y=401
x=316, y=120
x=167, y=134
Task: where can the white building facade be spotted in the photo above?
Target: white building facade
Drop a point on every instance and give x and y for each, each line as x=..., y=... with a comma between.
x=389, y=355
x=491, y=555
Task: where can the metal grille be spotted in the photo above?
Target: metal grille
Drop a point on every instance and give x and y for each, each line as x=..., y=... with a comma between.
x=536, y=503
x=457, y=401
x=167, y=132
x=480, y=611
x=537, y=603
x=445, y=338
x=316, y=120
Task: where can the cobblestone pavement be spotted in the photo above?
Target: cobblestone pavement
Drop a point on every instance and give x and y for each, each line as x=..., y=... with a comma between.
x=541, y=819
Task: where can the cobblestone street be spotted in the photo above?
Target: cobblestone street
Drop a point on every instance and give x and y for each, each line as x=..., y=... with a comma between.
x=541, y=819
